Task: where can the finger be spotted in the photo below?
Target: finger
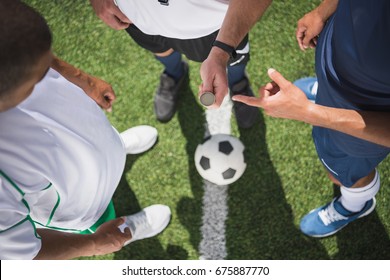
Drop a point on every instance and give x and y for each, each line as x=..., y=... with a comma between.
x=118, y=13
x=220, y=93
x=108, y=109
x=200, y=89
x=119, y=24
x=121, y=16
x=216, y=85
x=271, y=88
x=249, y=100
x=127, y=233
x=108, y=99
x=118, y=221
x=123, y=227
x=308, y=38
x=278, y=78
x=206, y=85
x=103, y=103
x=314, y=41
x=300, y=35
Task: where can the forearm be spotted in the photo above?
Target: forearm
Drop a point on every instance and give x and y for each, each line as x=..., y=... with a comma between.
x=327, y=8
x=71, y=73
x=57, y=245
x=240, y=18
x=367, y=125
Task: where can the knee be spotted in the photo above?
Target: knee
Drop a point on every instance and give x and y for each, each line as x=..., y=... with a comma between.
x=333, y=179
x=164, y=54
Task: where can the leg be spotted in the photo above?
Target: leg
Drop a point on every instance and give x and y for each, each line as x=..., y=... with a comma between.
x=359, y=183
x=171, y=82
x=173, y=77
x=239, y=84
x=172, y=62
x=354, y=198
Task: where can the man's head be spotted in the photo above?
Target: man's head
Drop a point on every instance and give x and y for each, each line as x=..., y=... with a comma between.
x=25, y=51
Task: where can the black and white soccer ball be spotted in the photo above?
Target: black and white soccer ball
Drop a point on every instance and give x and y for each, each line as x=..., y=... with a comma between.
x=220, y=159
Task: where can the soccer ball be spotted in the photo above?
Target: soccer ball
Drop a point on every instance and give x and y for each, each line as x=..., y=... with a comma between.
x=220, y=159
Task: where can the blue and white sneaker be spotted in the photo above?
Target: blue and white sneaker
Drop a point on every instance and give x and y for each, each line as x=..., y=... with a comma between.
x=309, y=86
x=332, y=217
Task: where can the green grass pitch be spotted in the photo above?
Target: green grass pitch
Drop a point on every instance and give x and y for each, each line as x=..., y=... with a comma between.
x=283, y=181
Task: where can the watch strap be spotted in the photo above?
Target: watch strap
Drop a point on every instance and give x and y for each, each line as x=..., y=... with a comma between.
x=227, y=48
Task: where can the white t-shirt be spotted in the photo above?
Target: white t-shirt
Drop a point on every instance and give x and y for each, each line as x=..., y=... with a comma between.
x=60, y=163
x=181, y=19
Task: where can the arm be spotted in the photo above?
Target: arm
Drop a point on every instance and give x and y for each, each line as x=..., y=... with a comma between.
x=97, y=89
x=311, y=24
x=282, y=99
x=239, y=19
x=367, y=125
x=62, y=245
x=108, y=12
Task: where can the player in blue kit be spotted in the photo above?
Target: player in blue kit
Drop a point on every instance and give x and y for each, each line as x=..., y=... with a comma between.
x=352, y=110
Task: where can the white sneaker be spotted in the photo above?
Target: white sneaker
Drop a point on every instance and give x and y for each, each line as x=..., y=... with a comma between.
x=139, y=139
x=147, y=223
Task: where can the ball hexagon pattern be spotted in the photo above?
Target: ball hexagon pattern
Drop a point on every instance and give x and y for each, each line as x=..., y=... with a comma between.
x=220, y=159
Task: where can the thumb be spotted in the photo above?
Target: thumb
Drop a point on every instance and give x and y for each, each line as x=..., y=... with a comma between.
x=278, y=78
x=105, y=104
x=300, y=35
x=207, y=84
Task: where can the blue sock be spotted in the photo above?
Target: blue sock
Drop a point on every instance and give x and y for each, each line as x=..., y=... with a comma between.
x=235, y=74
x=173, y=65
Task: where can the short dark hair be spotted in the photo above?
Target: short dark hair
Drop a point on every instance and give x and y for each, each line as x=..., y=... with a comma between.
x=24, y=38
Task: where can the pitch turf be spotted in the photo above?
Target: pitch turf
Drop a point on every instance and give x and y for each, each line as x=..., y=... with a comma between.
x=283, y=180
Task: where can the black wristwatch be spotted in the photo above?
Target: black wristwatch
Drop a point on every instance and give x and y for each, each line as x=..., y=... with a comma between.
x=227, y=48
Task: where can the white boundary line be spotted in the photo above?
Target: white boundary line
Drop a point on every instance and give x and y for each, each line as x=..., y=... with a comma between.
x=215, y=209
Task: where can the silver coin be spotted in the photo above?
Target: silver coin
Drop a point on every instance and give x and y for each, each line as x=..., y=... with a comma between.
x=207, y=98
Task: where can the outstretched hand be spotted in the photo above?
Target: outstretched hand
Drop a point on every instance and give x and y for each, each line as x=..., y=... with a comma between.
x=279, y=98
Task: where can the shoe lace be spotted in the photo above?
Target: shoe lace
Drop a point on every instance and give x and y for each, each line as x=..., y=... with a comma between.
x=330, y=215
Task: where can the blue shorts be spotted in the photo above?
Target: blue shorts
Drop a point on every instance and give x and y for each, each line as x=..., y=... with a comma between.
x=346, y=168
x=345, y=81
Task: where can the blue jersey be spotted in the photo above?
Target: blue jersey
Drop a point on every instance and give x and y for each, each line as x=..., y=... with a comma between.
x=353, y=66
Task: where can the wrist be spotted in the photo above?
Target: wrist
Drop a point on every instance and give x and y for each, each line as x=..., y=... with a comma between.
x=326, y=9
x=219, y=55
x=312, y=114
x=228, y=49
x=90, y=245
